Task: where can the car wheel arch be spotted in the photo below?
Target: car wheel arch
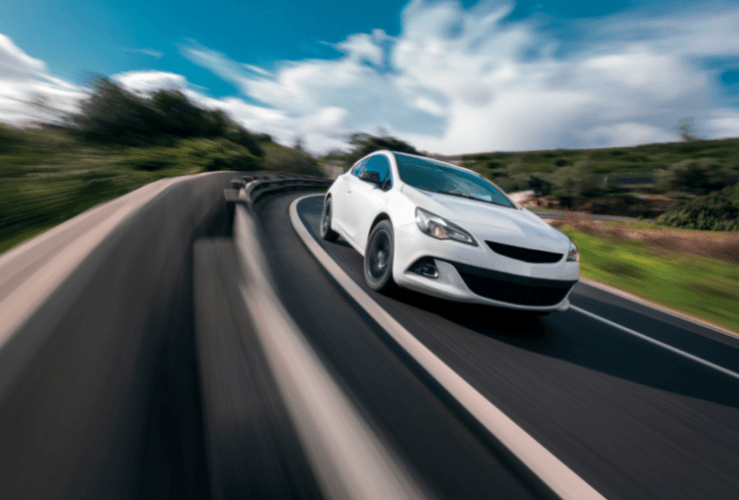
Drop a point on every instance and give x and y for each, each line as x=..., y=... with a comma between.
x=380, y=217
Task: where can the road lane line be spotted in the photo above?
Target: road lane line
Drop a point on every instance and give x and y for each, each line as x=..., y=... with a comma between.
x=555, y=474
x=657, y=342
x=653, y=305
x=349, y=459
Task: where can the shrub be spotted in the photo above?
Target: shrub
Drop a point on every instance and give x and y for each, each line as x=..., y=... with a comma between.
x=699, y=176
x=150, y=159
x=516, y=169
x=205, y=154
x=718, y=211
x=284, y=159
x=573, y=183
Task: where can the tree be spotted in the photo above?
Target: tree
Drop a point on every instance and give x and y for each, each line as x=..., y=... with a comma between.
x=115, y=116
x=573, y=183
x=686, y=130
x=178, y=115
x=299, y=144
x=364, y=144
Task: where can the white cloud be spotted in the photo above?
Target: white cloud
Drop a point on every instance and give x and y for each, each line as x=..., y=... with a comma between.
x=146, y=82
x=721, y=123
x=218, y=63
x=363, y=47
x=16, y=65
x=156, y=54
x=151, y=52
x=28, y=92
x=459, y=81
x=257, y=69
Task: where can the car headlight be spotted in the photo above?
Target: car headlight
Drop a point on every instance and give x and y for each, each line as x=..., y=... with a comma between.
x=573, y=255
x=441, y=229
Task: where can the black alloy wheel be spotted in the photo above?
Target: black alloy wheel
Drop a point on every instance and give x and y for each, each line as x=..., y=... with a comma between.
x=327, y=233
x=378, y=257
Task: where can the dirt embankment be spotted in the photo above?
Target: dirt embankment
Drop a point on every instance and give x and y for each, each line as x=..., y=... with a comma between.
x=721, y=245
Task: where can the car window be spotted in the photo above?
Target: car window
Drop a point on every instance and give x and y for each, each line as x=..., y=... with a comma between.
x=434, y=176
x=358, y=167
x=379, y=164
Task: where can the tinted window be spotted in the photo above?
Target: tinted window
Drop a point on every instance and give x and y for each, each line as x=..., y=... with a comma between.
x=434, y=176
x=379, y=164
x=358, y=167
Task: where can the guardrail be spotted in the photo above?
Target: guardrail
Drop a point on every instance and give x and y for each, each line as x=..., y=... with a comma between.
x=256, y=185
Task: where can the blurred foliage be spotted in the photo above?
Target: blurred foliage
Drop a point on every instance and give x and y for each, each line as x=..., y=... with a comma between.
x=335, y=154
x=364, y=144
x=118, y=143
x=284, y=159
x=700, y=176
x=112, y=115
x=669, y=164
x=574, y=182
x=686, y=129
x=202, y=154
x=718, y=211
x=703, y=286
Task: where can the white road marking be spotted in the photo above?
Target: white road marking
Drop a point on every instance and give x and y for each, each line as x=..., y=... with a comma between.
x=657, y=342
x=555, y=474
x=349, y=460
x=661, y=308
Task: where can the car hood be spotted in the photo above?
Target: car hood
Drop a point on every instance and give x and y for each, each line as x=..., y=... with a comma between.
x=492, y=222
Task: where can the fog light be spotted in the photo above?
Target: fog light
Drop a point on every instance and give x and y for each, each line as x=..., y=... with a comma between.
x=425, y=267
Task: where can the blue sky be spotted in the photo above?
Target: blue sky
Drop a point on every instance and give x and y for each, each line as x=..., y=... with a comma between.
x=448, y=76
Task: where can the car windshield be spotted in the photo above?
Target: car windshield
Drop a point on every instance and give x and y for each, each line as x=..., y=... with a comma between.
x=439, y=178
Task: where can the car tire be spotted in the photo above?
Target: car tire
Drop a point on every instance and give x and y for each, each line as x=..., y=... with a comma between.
x=327, y=233
x=378, y=257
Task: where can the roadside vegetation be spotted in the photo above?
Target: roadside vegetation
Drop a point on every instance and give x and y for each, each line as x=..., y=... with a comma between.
x=695, y=183
x=718, y=211
x=689, y=271
x=119, y=142
x=643, y=181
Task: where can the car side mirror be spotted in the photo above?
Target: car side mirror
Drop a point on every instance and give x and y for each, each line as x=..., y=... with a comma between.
x=371, y=176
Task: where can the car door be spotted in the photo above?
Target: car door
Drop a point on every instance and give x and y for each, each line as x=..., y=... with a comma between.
x=340, y=201
x=368, y=199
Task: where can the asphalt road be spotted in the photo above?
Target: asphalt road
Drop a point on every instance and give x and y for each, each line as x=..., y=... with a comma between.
x=634, y=420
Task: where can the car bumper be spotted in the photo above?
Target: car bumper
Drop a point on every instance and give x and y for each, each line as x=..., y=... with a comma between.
x=478, y=275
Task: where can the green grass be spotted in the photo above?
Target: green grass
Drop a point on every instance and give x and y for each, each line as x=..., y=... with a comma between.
x=47, y=176
x=704, y=287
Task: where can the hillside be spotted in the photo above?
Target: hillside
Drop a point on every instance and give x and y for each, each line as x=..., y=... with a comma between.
x=638, y=162
x=49, y=174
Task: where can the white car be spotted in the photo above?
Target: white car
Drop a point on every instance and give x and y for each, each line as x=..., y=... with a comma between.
x=446, y=231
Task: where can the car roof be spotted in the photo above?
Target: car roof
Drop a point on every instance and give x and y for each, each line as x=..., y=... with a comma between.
x=426, y=158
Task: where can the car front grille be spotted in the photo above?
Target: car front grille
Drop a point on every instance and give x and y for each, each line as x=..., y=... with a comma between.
x=514, y=289
x=525, y=254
